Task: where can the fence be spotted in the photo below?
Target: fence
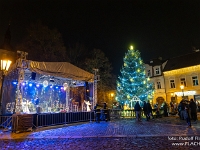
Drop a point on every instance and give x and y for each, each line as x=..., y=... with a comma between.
x=43, y=120
x=20, y=122
x=118, y=113
x=5, y=122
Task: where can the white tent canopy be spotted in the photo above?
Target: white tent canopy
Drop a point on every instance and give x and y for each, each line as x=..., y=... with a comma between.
x=58, y=69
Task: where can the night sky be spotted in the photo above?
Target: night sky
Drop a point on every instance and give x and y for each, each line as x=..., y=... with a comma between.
x=155, y=27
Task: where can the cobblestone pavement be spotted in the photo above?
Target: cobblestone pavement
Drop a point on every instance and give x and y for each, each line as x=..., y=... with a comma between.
x=160, y=133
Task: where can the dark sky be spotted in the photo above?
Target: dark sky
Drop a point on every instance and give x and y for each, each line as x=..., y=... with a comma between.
x=155, y=27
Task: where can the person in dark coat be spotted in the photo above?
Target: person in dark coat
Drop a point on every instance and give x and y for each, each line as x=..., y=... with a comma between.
x=149, y=110
x=105, y=112
x=187, y=115
x=138, y=109
x=193, y=108
x=181, y=109
x=145, y=110
x=97, y=111
x=165, y=109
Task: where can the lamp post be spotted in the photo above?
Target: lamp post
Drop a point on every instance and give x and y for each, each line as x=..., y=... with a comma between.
x=182, y=88
x=5, y=64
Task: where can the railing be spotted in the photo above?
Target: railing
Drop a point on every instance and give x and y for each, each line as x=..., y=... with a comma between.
x=53, y=119
x=118, y=113
x=6, y=122
x=19, y=122
x=43, y=120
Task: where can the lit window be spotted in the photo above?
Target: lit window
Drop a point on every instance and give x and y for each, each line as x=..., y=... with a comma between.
x=172, y=83
x=183, y=82
x=195, y=80
x=158, y=85
x=148, y=73
x=157, y=71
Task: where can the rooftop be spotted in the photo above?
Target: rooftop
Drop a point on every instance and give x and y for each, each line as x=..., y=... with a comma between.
x=183, y=61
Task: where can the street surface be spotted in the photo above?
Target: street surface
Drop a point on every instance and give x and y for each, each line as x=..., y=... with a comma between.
x=120, y=134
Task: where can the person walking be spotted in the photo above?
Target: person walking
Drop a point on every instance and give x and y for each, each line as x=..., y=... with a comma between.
x=149, y=110
x=187, y=116
x=137, y=109
x=165, y=109
x=198, y=106
x=97, y=111
x=193, y=110
x=105, y=112
x=181, y=109
x=145, y=110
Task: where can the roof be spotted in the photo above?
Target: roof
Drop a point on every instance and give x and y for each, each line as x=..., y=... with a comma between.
x=57, y=69
x=155, y=62
x=183, y=61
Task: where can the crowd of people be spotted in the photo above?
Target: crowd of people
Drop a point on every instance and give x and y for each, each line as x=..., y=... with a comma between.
x=187, y=110
x=147, y=109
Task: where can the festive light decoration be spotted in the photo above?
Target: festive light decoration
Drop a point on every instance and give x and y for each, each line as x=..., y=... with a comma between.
x=133, y=81
x=45, y=83
x=131, y=47
x=66, y=86
x=14, y=82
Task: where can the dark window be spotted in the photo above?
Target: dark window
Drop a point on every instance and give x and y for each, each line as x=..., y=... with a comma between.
x=148, y=73
x=172, y=83
x=158, y=85
x=183, y=82
x=195, y=80
x=157, y=71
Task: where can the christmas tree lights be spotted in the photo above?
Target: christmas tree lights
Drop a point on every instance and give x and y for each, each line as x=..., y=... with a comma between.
x=133, y=81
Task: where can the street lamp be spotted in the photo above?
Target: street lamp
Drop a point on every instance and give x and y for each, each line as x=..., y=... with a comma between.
x=5, y=64
x=182, y=88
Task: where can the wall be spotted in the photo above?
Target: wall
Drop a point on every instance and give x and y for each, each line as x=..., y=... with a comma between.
x=177, y=74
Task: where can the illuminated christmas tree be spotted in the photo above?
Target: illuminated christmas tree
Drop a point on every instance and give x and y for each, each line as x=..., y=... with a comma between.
x=133, y=81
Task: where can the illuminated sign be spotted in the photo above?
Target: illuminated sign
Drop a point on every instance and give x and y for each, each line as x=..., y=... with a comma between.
x=186, y=93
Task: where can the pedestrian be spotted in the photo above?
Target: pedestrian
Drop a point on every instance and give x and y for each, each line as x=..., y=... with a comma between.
x=181, y=109
x=149, y=111
x=187, y=116
x=193, y=110
x=172, y=107
x=97, y=111
x=145, y=110
x=198, y=106
x=105, y=112
x=165, y=109
x=137, y=109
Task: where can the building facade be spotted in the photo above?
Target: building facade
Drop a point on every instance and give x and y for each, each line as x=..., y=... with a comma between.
x=154, y=70
x=176, y=78
x=181, y=75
